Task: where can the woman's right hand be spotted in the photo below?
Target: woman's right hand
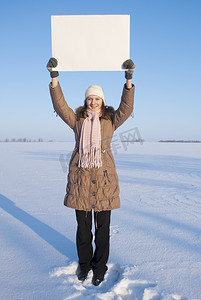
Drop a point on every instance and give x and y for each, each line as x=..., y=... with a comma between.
x=52, y=63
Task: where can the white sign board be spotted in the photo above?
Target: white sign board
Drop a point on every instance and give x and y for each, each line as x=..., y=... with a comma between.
x=90, y=42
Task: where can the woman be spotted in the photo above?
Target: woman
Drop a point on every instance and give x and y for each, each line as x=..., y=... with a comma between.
x=92, y=179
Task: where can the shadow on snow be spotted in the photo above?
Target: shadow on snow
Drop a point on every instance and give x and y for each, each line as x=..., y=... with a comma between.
x=47, y=233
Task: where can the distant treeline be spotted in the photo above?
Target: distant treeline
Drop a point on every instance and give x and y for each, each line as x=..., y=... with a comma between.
x=178, y=141
x=24, y=140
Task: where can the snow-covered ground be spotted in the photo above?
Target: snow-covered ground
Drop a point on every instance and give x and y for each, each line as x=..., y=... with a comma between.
x=155, y=235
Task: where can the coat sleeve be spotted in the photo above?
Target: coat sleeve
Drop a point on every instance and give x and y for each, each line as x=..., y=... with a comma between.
x=61, y=107
x=125, y=108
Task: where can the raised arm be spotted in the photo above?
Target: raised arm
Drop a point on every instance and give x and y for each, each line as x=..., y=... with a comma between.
x=125, y=108
x=58, y=100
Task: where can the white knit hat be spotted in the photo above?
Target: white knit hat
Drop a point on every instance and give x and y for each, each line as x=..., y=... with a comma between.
x=95, y=90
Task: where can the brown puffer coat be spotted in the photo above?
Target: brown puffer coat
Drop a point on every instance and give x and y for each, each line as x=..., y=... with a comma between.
x=95, y=188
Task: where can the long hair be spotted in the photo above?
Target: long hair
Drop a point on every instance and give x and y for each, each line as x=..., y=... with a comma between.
x=106, y=111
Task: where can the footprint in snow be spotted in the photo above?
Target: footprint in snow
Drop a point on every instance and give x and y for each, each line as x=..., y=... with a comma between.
x=119, y=284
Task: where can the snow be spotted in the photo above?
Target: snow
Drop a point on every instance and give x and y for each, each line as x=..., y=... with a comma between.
x=155, y=235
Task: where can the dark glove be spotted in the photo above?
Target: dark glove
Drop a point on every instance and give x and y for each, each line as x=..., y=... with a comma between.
x=128, y=64
x=52, y=63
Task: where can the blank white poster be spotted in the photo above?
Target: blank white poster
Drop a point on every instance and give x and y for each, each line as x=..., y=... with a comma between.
x=90, y=42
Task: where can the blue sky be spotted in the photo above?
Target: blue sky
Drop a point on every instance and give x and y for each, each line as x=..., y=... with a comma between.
x=165, y=46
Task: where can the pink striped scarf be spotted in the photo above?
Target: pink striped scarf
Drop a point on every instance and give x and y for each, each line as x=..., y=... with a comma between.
x=90, y=141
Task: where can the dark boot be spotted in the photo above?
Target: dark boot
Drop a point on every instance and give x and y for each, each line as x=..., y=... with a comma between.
x=82, y=274
x=97, y=279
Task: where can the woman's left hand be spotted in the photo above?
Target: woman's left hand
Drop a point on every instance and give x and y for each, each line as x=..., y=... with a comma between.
x=130, y=66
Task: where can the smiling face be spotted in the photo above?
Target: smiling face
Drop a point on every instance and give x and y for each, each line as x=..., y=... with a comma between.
x=94, y=103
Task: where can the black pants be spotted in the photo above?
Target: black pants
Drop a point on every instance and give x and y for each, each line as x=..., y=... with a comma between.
x=87, y=259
